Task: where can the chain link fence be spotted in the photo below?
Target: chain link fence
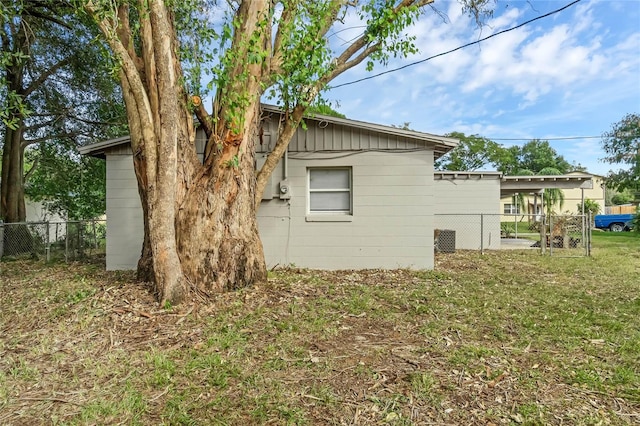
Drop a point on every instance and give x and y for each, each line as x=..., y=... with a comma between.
x=557, y=235
x=68, y=241
x=563, y=236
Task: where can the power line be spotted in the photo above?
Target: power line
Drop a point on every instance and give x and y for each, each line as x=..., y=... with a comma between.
x=560, y=138
x=459, y=47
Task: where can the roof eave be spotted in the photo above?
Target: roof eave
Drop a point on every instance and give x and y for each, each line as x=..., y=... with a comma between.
x=98, y=149
x=441, y=144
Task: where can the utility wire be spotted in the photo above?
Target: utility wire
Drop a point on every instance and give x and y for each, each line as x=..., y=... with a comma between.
x=457, y=48
x=560, y=138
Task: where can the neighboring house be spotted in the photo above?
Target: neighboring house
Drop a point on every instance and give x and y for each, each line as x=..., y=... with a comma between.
x=467, y=203
x=358, y=195
x=594, y=191
x=580, y=185
x=37, y=212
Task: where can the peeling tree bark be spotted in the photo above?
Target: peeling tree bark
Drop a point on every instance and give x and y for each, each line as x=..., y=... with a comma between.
x=201, y=234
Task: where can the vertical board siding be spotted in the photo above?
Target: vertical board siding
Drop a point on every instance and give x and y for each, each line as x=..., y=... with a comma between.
x=334, y=137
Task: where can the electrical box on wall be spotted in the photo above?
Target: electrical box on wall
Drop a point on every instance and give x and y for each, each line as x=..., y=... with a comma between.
x=285, y=190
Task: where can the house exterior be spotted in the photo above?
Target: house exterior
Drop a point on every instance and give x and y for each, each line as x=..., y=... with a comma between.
x=347, y=194
x=37, y=212
x=591, y=187
x=468, y=204
x=594, y=191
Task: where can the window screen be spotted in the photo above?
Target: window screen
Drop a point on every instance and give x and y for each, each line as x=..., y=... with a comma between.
x=330, y=190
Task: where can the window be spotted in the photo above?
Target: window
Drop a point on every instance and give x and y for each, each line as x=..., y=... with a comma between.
x=511, y=209
x=330, y=190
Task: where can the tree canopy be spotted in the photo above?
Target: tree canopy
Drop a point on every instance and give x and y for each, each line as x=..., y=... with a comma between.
x=472, y=153
x=70, y=185
x=476, y=152
x=622, y=147
x=534, y=156
x=56, y=87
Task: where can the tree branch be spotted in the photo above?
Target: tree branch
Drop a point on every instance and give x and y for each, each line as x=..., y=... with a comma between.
x=291, y=122
x=37, y=14
x=32, y=169
x=336, y=5
x=353, y=55
x=67, y=135
x=344, y=66
x=124, y=35
x=286, y=19
x=35, y=84
x=134, y=83
x=203, y=116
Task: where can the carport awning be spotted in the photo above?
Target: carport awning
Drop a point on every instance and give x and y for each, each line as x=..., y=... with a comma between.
x=511, y=185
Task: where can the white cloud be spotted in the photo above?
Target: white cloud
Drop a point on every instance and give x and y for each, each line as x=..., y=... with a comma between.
x=506, y=20
x=572, y=74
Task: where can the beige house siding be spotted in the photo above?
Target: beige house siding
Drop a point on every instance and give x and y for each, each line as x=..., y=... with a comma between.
x=467, y=203
x=572, y=197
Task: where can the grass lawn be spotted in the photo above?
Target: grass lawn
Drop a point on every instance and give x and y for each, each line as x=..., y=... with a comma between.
x=522, y=226
x=508, y=337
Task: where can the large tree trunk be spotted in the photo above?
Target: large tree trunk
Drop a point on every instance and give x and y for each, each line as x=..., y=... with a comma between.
x=201, y=234
x=12, y=208
x=145, y=263
x=17, y=239
x=12, y=204
x=218, y=239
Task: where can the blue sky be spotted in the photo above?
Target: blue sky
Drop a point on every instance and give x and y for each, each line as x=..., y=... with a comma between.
x=572, y=74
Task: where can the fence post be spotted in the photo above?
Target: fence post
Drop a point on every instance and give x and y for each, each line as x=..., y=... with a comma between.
x=550, y=235
x=481, y=233
x=66, y=242
x=1, y=238
x=543, y=234
x=94, y=245
x=79, y=247
x=47, y=247
x=589, y=235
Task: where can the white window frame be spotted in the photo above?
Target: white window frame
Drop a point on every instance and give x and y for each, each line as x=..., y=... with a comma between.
x=513, y=209
x=329, y=215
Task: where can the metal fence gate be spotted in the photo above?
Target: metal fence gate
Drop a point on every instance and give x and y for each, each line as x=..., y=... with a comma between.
x=569, y=235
